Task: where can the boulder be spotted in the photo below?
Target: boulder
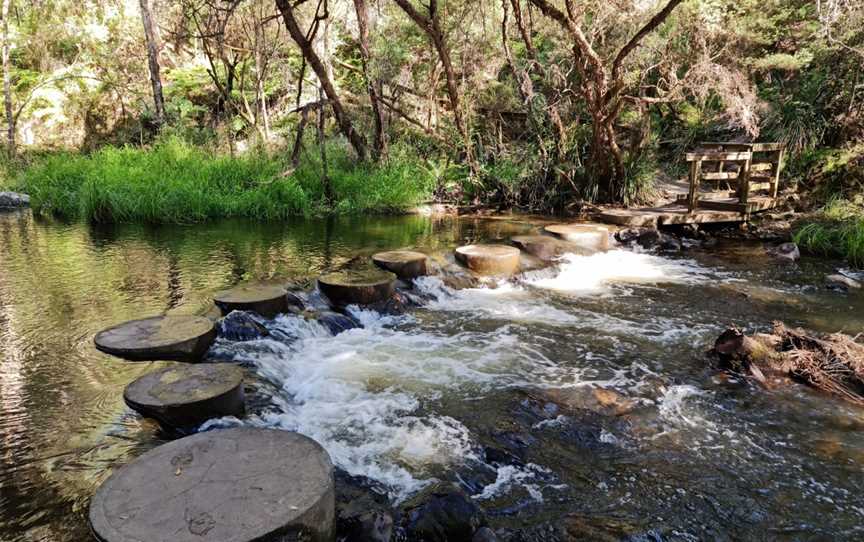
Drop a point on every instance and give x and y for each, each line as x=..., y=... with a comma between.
x=13, y=200
x=357, y=287
x=444, y=515
x=233, y=485
x=787, y=252
x=180, y=338
x=241, y=326
x=363, y=512
x=188, y=395
x=489, y=259
x=336, y=323
x=267, y=300
x=405, y=264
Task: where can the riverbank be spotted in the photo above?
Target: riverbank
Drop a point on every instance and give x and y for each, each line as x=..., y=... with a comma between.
x=174, y=182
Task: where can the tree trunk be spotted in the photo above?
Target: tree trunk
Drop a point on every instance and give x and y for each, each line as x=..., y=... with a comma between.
x=261, y=115
x=373, y=85
x=345, y=126
x=7, y=83
x=431, y=25
x=153, y=62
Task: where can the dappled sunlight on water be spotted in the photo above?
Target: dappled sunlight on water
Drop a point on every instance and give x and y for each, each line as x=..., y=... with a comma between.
x=408, y=400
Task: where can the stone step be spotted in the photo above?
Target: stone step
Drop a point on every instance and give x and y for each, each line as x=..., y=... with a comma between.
x=185, y=396
x=179, y=338
x=489, y=259
x=231, y=485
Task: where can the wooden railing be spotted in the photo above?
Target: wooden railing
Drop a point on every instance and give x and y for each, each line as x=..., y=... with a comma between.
x=753, y=168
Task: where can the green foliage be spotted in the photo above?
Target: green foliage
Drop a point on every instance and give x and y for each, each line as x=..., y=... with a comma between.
x=176, y=182
x=837, y=231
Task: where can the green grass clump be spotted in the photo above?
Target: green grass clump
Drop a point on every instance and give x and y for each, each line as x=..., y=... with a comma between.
x=837, y=231
x=174, y=182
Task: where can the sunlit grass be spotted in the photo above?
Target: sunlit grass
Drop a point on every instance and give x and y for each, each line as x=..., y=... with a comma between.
x=175, y=182
x=837, y=231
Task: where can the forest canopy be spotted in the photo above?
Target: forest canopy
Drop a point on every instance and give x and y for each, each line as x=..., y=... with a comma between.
x=538, y=104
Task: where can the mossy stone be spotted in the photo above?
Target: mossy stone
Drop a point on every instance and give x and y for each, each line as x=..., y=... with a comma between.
x=188, y=395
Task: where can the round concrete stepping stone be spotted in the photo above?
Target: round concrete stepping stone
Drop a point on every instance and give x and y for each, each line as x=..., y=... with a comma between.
x=265, y=299
x=181, y=338
x=357, y=287
x=407, y=264
x=489, y=259
x=232, y=485
x=540, y=246
x=590, y=236
x=188, y=395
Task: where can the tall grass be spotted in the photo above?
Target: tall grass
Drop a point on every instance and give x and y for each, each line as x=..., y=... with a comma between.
x=837, y=231
x=175, y=182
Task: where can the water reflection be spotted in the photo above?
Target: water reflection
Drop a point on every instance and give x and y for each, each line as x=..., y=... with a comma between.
x=629, y=322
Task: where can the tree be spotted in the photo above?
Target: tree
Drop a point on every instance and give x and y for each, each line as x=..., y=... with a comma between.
x=289, y=16
x=431, y=25
x=7, y=81
x=374, y=85
x=602, y=86
x=153, y=62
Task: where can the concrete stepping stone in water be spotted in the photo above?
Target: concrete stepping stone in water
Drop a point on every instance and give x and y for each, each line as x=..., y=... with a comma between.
x=540, y=246
x=265, y=299
x=489, y=259
x=357, y=287
x=586, y=236
x=186, y=396
x=406, y=264
x=180, y=338
x=239, y=485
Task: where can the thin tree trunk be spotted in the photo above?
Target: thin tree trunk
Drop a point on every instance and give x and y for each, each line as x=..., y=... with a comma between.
x=153, y=62
x=432, y=26
x=7, y=82
x=345, y=126
x=373, y=85
x=261, y=115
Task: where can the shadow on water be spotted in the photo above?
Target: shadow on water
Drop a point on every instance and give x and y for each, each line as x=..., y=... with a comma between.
x=488, y=388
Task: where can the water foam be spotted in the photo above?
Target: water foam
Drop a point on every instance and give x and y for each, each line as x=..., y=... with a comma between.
x=596, y=273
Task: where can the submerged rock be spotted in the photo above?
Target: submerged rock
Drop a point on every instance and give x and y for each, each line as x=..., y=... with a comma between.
x=786, y=251
x=241, y=326
x=444, y=514
x=841, y=282
x=363, y=511
x=13, y=200
x=336, y=323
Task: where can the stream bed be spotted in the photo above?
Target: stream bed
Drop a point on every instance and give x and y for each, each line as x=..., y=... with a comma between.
x=575, y=402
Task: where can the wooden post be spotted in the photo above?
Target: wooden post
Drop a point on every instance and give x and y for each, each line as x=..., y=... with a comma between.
x=744, y=184
x=695, y=173
x=776, y=182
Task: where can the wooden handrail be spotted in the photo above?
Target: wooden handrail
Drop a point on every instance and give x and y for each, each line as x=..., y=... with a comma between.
x=718, y=156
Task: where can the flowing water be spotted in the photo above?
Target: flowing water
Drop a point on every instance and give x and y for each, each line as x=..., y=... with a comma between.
x=466, y=389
